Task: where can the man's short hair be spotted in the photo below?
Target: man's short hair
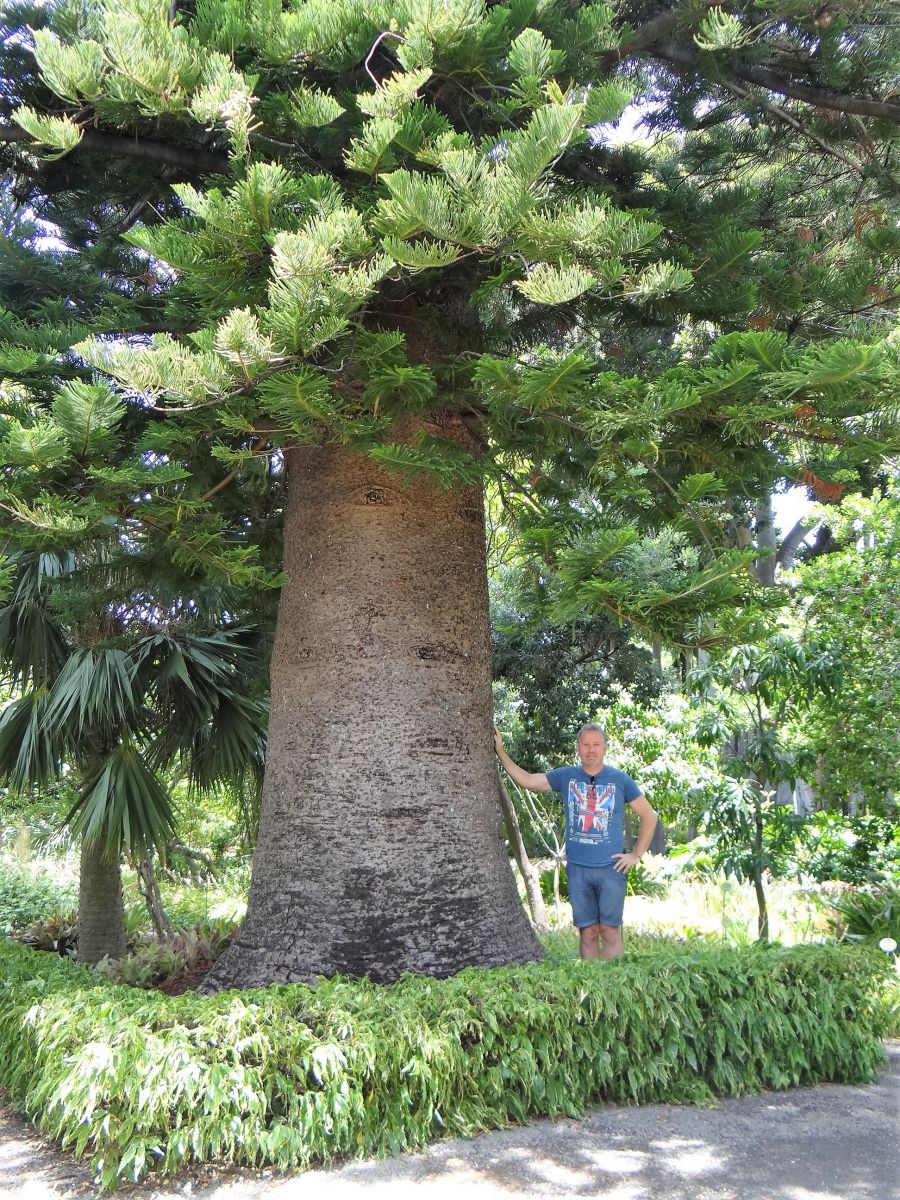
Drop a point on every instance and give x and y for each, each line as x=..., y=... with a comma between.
x=591, y=727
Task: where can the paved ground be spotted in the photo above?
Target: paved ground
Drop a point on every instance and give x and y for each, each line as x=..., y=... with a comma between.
x=824, y=1143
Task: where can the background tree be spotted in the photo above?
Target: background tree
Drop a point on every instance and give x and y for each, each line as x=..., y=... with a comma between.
x=851, y=602
x=410, y=256
x=557, y=673
x=115, y=691
x=749, y=696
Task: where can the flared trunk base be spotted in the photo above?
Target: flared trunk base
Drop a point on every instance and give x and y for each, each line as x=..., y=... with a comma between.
x=380, y=846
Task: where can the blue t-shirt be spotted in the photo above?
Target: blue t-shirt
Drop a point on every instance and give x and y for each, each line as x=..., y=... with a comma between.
x=595, y=812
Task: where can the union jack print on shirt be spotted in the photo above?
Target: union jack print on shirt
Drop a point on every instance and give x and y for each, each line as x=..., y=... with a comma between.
x=590, y=806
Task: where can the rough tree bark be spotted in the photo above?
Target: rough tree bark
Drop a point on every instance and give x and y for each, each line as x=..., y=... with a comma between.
x=101, y=915
x=379, y=847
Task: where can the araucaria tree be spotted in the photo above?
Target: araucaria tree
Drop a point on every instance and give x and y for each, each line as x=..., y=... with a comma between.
x=403, y=258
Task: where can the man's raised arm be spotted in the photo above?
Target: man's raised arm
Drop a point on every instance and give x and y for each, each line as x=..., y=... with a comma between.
x=526, y=779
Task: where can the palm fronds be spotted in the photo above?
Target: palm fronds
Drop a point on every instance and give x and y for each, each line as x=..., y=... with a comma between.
x=29, y=754
x=33, y=645
x=123, y=805
x=93, y=691
x=231, y=745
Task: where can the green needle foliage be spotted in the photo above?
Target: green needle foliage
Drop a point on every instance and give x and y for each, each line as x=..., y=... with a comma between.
x=292, y=1075
x=341, y=214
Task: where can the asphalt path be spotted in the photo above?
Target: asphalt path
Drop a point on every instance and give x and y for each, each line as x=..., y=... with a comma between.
x=830, y=1142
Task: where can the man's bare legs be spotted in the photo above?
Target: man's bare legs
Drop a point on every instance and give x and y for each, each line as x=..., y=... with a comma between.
x=613, y=946
x=589, y=941
x=591, y=936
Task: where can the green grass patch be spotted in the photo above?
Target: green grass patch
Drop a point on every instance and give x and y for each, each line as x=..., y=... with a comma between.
x=294, y=1075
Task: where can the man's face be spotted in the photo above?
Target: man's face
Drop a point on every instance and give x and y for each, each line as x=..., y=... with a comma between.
x=591, y=750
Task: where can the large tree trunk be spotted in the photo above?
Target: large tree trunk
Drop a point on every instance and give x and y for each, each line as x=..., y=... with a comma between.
x=101, y=915
x=766, y=541
x=379, y=846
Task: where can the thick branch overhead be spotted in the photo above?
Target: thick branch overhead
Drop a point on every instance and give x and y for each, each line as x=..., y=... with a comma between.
x=687, y=58
x=186, y=158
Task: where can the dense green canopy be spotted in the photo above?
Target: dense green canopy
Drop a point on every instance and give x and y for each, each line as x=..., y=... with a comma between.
x=408, y=203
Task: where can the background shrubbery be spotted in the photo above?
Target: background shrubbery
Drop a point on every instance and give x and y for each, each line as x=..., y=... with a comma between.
x=29, y=893
x=855, y=850
x=290, y=1075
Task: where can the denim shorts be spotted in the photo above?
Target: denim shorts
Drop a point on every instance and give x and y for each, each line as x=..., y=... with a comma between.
x=597, y=895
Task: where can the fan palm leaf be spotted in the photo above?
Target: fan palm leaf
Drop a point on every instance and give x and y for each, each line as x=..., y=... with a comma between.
x=30, y=756
x=94, y=691
x=123, y=805
x=230, y=745
x=189, y=677
x=33, y=645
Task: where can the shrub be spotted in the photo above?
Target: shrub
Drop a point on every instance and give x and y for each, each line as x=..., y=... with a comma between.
x=865, y=915
x=856, y=850
x=151, y=962
x=57, y=933
x=28, y=894
x=291, y=1074
x=143, y=967
x=546, y=880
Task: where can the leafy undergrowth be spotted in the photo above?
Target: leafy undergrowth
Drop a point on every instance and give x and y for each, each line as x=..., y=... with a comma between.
x=174, y=966
x=292, y=1075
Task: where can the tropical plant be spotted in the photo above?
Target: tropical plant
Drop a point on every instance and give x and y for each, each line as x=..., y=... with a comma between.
x=55, y=931
x=867, y=915
x=187, y=953
x=746, y=698
x=386, y=252
x=115, y=687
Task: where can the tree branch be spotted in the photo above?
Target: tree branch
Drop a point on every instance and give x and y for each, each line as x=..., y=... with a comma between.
x=789, y=119
x=661, y=26
x=687, y=58
x=791, y=543
x=186, y=158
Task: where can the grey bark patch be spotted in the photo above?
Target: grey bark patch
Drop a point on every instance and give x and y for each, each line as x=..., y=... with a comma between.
x=472, y=515
x=363, y=730
x=302, y=656
x=375, y=496
x=434, y=653
x=430, y=746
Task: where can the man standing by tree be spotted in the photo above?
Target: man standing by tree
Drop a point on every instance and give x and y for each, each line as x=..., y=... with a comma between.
x=594, y=797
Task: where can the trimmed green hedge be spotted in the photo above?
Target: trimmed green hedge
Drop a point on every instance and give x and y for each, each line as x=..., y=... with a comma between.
x=292, y=1075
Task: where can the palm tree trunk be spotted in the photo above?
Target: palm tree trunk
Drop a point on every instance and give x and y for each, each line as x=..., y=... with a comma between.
x=379, y=846
x=101, y=915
